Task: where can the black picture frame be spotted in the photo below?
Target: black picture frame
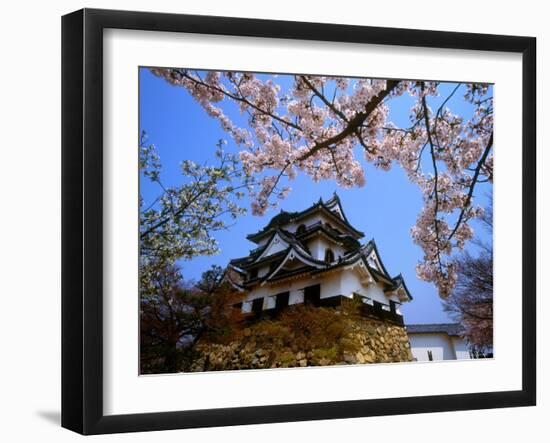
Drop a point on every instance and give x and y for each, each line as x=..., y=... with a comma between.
x=82, y=218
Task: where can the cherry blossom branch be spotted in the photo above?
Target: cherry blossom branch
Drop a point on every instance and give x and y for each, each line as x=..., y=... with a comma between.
x=324, y=99
x=354, y=123
x=312, y=128
x=238, y=99
x=436, y=176
x=440, y=109
x=472, y=185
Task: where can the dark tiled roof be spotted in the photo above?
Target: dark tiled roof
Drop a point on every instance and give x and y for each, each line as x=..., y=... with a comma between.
x=400, y=281
x=285, y=217
x=293, y=272
x=347, y=240
x=280, y=219
x=448, y=328
x=255, y=253
x=268, y=259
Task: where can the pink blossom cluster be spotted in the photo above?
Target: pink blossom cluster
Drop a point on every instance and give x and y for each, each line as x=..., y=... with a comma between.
x=318, y=125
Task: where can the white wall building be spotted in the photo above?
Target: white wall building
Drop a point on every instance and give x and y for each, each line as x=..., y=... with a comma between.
x=440, y=341
x=315, y=256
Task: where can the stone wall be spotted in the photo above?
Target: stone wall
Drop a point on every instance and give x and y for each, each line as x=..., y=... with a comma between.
x=337, y=338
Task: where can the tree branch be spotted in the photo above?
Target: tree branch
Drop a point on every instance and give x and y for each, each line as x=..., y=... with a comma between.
x=354, y=123
x=239, y=99
x=472, y=185
x=434, y=164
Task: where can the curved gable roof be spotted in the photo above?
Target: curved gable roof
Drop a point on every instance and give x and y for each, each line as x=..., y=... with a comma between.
x=285, y=217
x=400, y=283
x=335, y=202
x=295, y=252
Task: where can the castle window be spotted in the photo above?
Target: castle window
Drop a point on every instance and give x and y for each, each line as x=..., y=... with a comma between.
x=301, y=229
x=329, y=255
x=253, y=273
x=312, y=295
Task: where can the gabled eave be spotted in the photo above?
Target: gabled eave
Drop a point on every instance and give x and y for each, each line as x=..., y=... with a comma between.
x=276, y=235
x=335, y=201
x=379, y=259
x=293, y=253
x=400, y=285
x=227, y=277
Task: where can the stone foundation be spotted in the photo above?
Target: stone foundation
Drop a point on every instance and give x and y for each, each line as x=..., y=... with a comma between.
x=338, y=339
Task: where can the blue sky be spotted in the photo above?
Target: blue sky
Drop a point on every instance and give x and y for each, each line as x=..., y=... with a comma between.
x=384, y=209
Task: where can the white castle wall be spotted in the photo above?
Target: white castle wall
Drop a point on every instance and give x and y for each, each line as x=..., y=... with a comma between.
x=439, y=344
x=319, y=245
x=461, y=348
x=442, y=346
x=343, y=282
x=294, y=287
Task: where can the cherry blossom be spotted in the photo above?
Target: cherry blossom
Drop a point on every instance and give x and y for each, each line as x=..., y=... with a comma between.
x=319, y=124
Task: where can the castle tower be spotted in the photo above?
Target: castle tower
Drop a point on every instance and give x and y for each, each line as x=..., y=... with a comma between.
x=315, y=256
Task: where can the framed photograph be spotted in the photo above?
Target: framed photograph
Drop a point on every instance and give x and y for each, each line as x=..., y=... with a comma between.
x=269, y=221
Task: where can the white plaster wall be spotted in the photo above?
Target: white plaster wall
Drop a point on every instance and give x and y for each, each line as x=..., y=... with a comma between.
x=269, y=302
x=373, y=261
x=395, y=298
x=331, y=285
x=375, y=292
x=461, y=348
x=345, y=282
x=352, y=283
x=267, y=293
x=260, y=291
x=294, y=287
x=318, y=246
x=296, y=296
x=315, y=247
x=246, y=307
x=439, y=343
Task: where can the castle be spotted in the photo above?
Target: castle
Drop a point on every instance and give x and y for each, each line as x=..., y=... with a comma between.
x=315, y=256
